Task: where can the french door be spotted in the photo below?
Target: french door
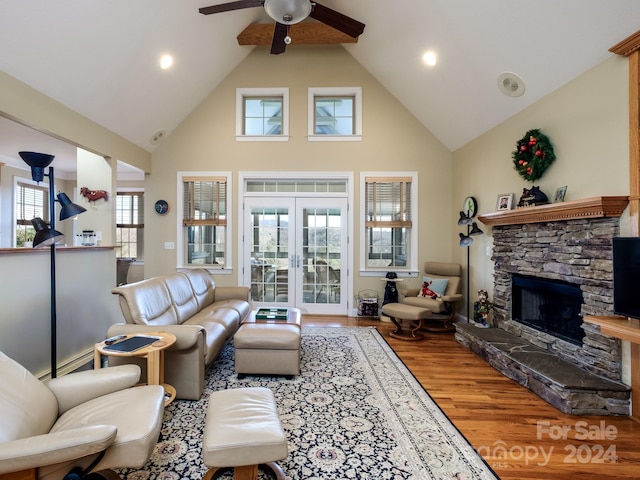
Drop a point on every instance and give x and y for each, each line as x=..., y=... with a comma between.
x=295, y=252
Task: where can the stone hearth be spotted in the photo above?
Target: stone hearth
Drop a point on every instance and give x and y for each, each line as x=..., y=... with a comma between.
x=578, y=379
x=564, y=385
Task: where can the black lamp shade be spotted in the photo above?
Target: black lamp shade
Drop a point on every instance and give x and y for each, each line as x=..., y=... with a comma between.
x=475, y=230
x=464, y=219
x=38, y=162
x=465, y=240
x=44, y=235
x=68, y=209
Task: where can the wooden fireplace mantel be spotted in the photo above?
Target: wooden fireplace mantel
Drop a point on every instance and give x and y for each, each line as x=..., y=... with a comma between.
x=595, y=207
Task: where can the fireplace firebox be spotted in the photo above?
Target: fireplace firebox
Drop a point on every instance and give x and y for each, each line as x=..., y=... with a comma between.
x=550, y=306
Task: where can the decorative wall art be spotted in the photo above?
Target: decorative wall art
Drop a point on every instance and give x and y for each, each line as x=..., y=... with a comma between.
x=93, y=195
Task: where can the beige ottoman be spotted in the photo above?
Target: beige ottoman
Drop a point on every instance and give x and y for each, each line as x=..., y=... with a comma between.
x=414, y=315
x=242, y=430
x=267, y=349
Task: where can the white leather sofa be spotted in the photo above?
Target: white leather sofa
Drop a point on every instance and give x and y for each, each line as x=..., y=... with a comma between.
x=189, y=305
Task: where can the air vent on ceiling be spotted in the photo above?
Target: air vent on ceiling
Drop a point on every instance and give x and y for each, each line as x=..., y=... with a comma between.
x=510, y=84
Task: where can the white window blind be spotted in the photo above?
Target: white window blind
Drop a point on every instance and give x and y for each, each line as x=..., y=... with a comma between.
x=31, y=201
x=205, y=201
x=388, y=202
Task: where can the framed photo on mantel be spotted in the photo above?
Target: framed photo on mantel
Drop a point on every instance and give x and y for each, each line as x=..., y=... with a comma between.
x=505, y=201
x=560, y=193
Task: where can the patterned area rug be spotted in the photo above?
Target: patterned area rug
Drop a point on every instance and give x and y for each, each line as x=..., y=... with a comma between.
x=355, y=412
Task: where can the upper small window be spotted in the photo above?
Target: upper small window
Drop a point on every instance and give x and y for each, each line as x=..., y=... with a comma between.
x=335, y=114
x=262, y=114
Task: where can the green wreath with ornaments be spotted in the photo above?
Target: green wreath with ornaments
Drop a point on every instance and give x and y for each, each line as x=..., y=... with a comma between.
x=533, y=155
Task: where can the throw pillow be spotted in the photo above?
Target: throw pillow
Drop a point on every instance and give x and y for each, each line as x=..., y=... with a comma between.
x=433, y=287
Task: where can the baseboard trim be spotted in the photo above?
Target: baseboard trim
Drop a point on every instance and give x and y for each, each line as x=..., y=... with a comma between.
x=69, y=365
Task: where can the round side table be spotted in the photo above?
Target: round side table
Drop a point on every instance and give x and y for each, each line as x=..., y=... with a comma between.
x=154, y=353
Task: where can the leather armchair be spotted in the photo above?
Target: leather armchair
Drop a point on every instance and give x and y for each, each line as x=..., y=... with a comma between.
x=78, y=426
x=443, y=308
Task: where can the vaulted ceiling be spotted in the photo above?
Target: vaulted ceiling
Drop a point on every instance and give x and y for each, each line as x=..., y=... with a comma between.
x=100, y=57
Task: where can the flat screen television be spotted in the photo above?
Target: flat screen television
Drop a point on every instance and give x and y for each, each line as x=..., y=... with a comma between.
x=626, y=276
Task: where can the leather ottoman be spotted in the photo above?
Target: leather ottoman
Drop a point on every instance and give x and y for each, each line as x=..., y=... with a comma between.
x=267, y=349
x=242, y=430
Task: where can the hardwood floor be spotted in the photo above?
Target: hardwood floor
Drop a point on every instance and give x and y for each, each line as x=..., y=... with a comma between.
x=519, y=434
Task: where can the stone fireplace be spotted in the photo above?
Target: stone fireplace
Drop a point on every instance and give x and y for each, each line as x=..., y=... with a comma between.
x=576, y=252
x=551, y=269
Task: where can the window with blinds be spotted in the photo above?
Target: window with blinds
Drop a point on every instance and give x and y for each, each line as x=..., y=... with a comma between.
x=205, y=213
x=31, y=201
x=130, y=224
x=389, y=213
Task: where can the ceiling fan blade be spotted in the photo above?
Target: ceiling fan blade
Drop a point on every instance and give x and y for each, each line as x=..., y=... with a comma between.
x=227, y=7
x=277, y=44
x=337, y=20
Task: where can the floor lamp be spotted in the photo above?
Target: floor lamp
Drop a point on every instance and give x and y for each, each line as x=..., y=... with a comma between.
x=466, y=241
x=48, y=235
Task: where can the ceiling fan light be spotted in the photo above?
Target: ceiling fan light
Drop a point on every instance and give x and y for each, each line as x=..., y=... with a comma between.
x=288, y=12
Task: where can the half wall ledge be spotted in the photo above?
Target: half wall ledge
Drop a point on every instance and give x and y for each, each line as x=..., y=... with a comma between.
x=594, y=207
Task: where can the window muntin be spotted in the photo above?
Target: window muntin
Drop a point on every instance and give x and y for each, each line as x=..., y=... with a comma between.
x=30, y=201
x=334, y=115
x=205, y=213
x=262, y=114
x=129, y=224
x=389, y=211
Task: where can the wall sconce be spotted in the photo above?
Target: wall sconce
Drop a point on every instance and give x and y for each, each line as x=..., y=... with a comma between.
x=48, y=235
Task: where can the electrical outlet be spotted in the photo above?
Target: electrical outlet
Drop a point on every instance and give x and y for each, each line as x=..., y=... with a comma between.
x=169, y=245
x=488, y=251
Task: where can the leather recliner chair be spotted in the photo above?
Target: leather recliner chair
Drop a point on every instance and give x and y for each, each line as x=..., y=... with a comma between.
x=78, y=426
x=442, y=306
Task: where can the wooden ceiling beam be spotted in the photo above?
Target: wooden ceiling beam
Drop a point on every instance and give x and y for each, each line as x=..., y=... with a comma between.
x=306, y=33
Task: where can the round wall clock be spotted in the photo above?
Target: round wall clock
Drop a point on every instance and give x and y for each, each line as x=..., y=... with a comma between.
x=470, y=207
x=161, y=207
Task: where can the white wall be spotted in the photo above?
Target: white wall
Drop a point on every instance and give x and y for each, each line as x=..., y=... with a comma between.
x=94, y=172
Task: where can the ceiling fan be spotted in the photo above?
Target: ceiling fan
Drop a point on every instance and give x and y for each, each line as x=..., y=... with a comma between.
x=290, y=12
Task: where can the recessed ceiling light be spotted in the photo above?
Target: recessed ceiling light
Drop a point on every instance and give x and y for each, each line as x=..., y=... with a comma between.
x=166, y=61
x=430, y=58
